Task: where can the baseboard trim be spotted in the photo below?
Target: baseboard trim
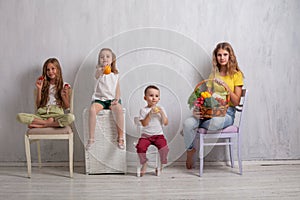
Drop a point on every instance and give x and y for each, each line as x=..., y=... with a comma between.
x=177, y=163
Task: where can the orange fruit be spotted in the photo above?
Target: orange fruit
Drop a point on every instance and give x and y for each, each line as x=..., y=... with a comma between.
x=107, y=69
x=156, y=109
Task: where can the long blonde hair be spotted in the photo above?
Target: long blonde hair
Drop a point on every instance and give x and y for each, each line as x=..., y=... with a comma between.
x=46, y=83
x=114, y=60
x=232, y=65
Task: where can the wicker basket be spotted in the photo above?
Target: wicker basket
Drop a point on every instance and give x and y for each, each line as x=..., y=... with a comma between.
x=214, y=111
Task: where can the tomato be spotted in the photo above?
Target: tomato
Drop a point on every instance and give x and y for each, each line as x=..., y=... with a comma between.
x=67, y=86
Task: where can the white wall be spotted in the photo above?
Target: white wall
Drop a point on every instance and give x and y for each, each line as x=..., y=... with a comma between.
x=264, y=35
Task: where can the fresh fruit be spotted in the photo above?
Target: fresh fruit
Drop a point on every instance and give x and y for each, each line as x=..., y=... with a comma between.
x=107, y=70
x=41, y=78
x=156, y=109
x=205, y=94
x=67, y=86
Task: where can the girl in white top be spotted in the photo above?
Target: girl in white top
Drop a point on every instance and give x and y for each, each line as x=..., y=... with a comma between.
x=52, y=98
x=106, y=95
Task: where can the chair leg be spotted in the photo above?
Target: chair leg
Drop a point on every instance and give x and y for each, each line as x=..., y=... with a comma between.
x=28, y=157
x=239, y=158
x=201, y=149
x=157, y=163
x=38, y=146
x=71, y=154
x=231, y=153
x=138, y=170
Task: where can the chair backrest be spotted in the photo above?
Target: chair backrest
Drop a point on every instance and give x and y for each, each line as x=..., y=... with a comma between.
x=138, y=125
x=242, y=106
x=71, y=97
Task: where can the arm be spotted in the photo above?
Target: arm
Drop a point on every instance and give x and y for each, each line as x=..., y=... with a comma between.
x=65, y=95
x=146, y=120
x=99, y=72
x=39, y=85
x=235, y=96
x=164, y=119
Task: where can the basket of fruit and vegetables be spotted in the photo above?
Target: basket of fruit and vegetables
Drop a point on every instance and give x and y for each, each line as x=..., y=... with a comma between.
x=211, y=99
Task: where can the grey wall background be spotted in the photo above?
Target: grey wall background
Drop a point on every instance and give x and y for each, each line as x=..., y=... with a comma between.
x=264, y=35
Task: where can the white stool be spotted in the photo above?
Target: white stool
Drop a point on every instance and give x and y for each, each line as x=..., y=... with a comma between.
x=152, y=152
x=104, y=157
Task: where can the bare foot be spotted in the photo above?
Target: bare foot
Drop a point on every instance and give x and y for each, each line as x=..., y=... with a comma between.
x=36, y=126
x=189, y=158
x=50, y=120
x=143, y=169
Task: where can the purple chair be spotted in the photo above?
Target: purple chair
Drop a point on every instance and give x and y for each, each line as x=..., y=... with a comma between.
x=229, y=136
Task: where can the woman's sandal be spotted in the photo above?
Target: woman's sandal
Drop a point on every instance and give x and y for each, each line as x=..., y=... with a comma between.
x=90, y=143
x=121, y=144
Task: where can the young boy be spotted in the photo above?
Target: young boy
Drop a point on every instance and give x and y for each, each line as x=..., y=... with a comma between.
x=152, y=118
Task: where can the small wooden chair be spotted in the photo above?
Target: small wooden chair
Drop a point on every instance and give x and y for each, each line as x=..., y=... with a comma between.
x=37, y=134
x=229, y=133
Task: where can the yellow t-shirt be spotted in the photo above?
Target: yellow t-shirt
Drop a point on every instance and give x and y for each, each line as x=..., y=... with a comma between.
x=236, y=80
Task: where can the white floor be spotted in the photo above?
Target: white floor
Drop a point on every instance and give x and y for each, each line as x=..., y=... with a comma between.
x=261, y=180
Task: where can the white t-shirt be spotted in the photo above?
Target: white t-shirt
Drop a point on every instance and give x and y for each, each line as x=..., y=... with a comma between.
x=105, y=88
x=52, y=91
x=155, y=126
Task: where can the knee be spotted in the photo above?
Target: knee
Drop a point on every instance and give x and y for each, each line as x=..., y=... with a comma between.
x=18, y=117
x=70, y=118
x=140, y=148
x=164, y=149
x=117, y=108
x=92, y=110
x=189, y=123
x=21, y=118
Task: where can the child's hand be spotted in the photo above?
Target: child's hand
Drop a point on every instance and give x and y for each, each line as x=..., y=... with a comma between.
x=156, y=110
x=67, y=86
x=99, y=72
x=65, y=90
x=39, y=82
x=115, y=102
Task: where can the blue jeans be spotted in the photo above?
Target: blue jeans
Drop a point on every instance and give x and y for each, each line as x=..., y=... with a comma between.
x=215, y=123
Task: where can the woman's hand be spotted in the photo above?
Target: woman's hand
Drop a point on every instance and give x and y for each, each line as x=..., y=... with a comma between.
x=222, y=83
x=197, y=113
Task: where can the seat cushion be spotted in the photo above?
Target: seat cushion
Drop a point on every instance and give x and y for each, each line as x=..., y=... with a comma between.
x=59, y=130
x=229, y=129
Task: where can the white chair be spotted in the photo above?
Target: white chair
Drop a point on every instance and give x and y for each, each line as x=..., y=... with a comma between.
x=37, y=134
x=152, y=150
x=228, y=135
